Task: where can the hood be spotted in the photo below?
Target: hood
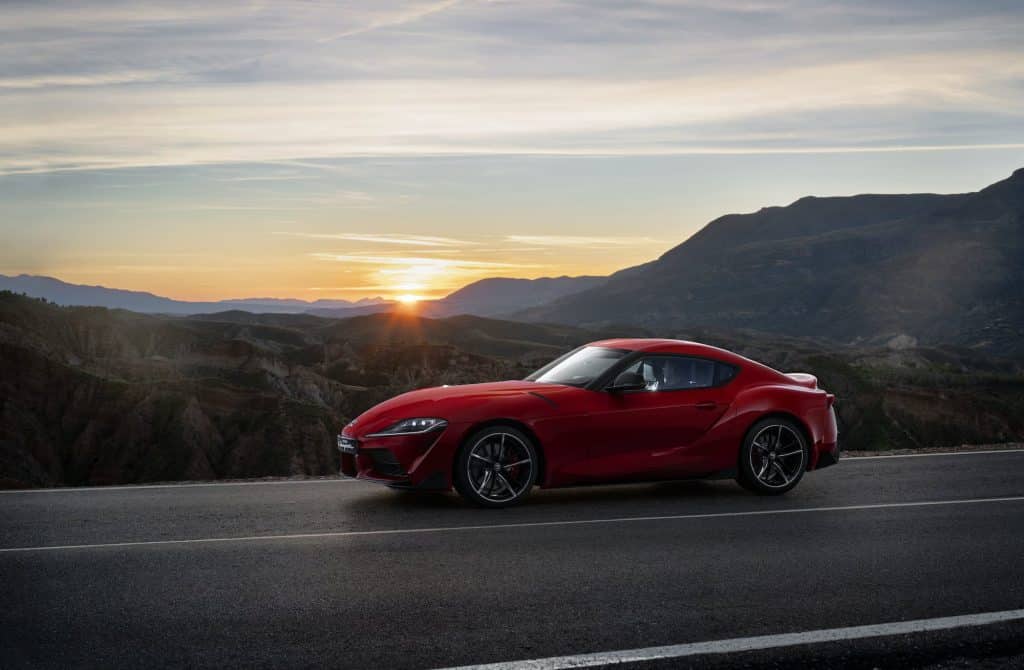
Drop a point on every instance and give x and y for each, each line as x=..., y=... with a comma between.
x=447, y=402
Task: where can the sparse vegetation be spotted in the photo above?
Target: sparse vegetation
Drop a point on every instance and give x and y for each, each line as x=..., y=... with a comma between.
x=96, y=396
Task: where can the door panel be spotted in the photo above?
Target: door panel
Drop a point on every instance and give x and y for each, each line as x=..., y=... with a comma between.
x=645, y=433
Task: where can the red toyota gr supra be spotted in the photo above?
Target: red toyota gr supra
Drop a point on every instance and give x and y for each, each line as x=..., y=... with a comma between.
x=612, y=411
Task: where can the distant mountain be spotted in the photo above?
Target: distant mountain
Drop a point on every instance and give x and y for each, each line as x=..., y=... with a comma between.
x=495, y=296
x=487, y=297
x=63, y=293
x=863, y=269
x=501, y=295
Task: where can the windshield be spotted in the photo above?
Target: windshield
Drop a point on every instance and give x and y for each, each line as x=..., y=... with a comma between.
x=580, y=367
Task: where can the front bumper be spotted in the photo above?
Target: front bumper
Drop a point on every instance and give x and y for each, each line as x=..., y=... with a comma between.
x=402, y=461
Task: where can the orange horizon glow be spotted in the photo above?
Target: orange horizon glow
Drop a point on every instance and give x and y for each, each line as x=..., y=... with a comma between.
x=399, y=268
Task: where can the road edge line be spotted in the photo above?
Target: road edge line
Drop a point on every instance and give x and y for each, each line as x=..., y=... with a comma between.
x=758, y=643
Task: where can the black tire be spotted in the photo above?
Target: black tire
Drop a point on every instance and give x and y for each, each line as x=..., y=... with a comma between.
x=504, y=451
x=773, y=456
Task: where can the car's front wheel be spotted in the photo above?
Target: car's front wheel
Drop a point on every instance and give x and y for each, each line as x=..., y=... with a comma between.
x=773, y=457
x=496, y=467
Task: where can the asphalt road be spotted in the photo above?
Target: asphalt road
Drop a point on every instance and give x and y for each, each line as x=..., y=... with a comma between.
x=301, y=575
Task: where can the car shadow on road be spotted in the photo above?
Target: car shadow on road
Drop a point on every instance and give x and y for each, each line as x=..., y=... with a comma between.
x=658, y=491
x=581, y=496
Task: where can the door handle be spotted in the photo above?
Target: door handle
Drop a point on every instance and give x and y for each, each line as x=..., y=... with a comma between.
x=707, y=405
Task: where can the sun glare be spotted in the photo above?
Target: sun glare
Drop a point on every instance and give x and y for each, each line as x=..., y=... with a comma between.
x=408, y=299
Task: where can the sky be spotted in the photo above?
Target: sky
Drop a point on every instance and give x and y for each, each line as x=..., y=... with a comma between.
x=213, y=150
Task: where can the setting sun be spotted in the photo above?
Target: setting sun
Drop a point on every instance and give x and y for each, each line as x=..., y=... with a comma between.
x=408, y=299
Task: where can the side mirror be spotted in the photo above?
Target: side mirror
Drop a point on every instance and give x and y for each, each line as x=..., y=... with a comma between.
x=628, y=381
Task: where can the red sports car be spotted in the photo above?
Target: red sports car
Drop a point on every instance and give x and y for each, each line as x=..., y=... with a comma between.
x=612, y=411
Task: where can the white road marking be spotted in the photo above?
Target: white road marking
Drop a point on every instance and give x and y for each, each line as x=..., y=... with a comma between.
x=850, y=459
x=741, y=644
x=505, y=526
x=140, y=487
x=137, y=487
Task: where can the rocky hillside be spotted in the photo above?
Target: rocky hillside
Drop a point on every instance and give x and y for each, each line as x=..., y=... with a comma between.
x=94, y=396
x=937, y=269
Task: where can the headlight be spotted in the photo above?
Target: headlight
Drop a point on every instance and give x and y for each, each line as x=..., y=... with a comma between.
x=410, y=427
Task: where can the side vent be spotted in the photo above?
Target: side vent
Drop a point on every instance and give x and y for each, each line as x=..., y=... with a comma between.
x=544, y=398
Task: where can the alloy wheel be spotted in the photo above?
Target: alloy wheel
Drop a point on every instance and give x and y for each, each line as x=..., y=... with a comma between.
x=500, y=467
x=777, y=456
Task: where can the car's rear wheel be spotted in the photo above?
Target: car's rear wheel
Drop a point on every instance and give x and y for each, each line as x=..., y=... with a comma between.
x=496, y=467
x=773, y=457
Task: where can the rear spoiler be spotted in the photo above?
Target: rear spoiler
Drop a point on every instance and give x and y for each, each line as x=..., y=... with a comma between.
x=803, y=379
x=811, y=382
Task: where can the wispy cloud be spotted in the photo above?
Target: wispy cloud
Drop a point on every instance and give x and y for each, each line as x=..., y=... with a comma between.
x=113, y=16
x=354, y=287
x=443, y=263
x=193, y=84
x=280, y=177
x=416, y=274
x=398, y=17
x=189, y=125
x=389, y=239
x=99, y=79
x=581, y=241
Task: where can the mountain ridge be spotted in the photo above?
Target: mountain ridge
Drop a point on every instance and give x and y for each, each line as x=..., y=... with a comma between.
x=856, y=269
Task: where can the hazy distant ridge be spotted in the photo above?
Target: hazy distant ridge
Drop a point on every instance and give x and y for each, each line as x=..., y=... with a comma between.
x=63, y=293
x=487, y=297
x=494, y=296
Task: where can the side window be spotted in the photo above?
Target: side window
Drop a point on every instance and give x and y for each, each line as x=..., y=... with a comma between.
x=724, y=373
x=673, y=373
x=643, y=368
x=686, y=373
